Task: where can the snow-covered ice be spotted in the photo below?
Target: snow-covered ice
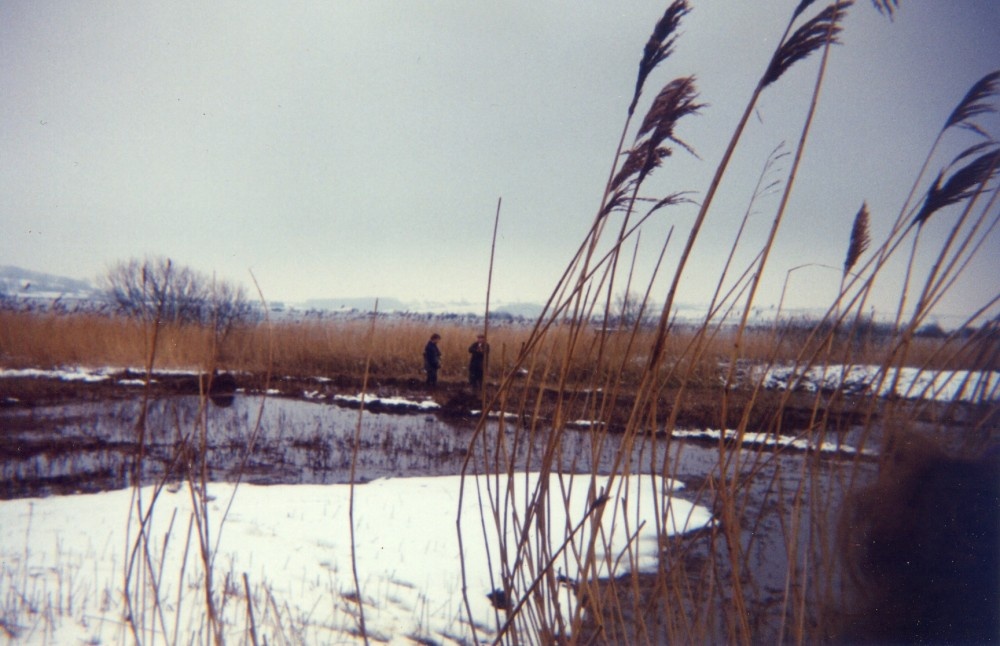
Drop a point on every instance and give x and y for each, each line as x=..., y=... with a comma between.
x=65, y=555
x=907, y=382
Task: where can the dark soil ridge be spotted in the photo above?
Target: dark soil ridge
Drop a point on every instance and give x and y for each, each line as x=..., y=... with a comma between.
x=699, y=408
x=773, y=411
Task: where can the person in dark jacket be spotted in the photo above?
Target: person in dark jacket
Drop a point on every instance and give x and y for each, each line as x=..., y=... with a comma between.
x=478, y=352
x=432, y=360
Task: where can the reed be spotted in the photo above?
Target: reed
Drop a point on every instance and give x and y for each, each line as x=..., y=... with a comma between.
x=715, y=598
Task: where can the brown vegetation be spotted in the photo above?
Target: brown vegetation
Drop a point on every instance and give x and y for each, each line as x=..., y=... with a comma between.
x=337, y=347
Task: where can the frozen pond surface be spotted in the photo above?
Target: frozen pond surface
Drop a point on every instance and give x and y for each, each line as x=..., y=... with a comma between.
x=90, y=447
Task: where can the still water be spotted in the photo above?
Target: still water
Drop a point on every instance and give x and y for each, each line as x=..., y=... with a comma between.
x=92, y=446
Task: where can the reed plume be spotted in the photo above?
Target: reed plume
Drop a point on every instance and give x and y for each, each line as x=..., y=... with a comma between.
x=677, y=99
x=641, y=159
x=802, y=7
x=811, y=36
x=976, y=102
x=886, y=7
x=659, y=46
x=963, y=183
x=860, y=238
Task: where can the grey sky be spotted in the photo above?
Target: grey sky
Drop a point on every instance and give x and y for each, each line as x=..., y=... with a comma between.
x=358, y=148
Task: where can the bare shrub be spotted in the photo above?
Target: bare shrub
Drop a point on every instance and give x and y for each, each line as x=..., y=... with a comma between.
x=176, y=294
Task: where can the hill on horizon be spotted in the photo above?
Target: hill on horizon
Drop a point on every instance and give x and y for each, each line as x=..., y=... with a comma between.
x=25, y=283
x=20, y=283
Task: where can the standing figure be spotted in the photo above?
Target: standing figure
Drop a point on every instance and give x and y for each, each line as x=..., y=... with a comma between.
x=478, y=352
x=432, y=360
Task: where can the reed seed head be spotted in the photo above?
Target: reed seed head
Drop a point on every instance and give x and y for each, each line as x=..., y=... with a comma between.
x=659, y=46
x=811, y=36
x=860, y=238
x=963, y=183
x=886, y=7
x=977, y=101
x=676, y=100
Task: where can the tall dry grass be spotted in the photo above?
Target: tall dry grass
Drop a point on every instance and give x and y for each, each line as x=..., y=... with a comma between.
x=714, y=599
x=331, y=347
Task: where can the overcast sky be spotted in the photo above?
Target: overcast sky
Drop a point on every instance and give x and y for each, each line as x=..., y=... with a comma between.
x=359, y=148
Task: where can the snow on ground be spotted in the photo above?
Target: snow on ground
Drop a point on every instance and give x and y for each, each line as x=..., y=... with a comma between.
x=89, y=375
x=908, y=383
x=769, y=439
x=400, y=403
x=62, y=557
x=96, y=375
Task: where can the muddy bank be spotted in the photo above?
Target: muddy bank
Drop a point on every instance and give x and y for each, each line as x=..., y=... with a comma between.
x=699, y=405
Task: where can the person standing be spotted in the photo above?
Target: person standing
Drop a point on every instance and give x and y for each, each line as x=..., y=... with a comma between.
x=432, y=360
x=478, y=352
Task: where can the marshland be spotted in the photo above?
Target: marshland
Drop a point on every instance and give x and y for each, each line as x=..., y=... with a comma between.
x=182, y=465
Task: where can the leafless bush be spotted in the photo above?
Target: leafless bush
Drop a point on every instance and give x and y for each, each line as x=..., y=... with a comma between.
x=177, y=294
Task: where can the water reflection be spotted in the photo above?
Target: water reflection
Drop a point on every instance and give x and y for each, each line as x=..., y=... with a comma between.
x=91, y=446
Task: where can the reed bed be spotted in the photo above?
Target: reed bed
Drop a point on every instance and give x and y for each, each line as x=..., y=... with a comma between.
x=331, y=347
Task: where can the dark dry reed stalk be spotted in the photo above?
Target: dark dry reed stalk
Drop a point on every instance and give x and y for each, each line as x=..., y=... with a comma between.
x=764, y=187
x=823, y=491
x=967, y=184
x=790, y=50
x=819, y=32
x=859, y=241
x=143, y=576
x=258, y=420
x=138, y=510
x=963, y=185
x=678, y=98
x=354, y=459
x=659, y=46
x=961, y=190
x=489, y=290
x=250, y=617
x=708, y=331
x=197, y=469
